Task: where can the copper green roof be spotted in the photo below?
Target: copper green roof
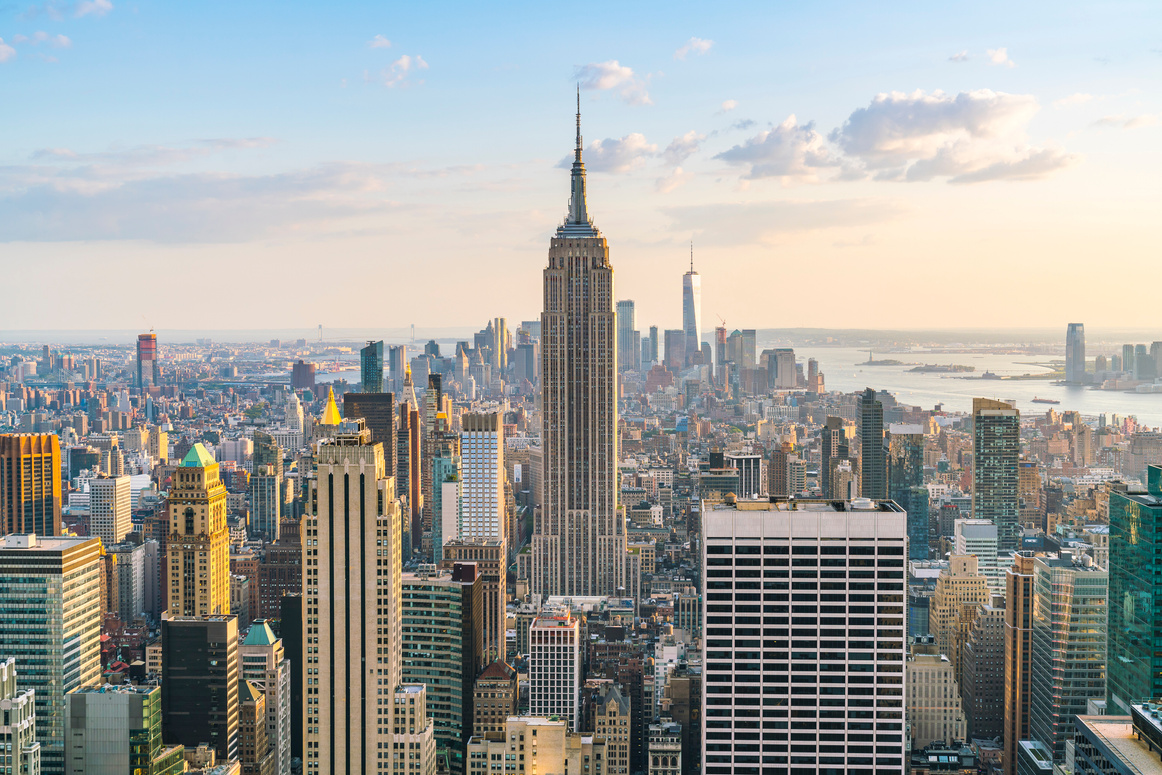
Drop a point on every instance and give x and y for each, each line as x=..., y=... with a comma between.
x=198, y=457
x=259, y=634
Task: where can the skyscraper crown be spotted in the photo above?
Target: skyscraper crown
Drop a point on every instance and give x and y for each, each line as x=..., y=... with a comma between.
x=577, y=222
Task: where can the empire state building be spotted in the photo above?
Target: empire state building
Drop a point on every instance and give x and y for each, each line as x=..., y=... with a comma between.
x=579, y=542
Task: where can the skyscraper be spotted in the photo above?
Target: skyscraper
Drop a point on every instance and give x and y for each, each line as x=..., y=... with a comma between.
x=1075, y=354
x=50, y=592
x=18, y=730
x=834, y=446
x=147, y=353
x=110, y=515
x=836, y=680
x=555, y=668
x=198, y=547
x=30, y=483
x=117, y=729
x=199, y=682
x=1135, y=615
x=579, y=540
x=371, y=367
x=627, y=358
x=263, y=662
x=995, y=451
x=675, y=344
x=905, y=463
x=873, y=465
x=1018, y=654
x=351, y=601
x=654, y=348
x=482, y=475
x=692, y=310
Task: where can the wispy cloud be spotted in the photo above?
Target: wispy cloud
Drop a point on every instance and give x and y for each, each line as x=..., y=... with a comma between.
x=682, y=147
x=613, y=76
x=6, y=51
x=36, y=38
x=727, y=106
x=55, y=10
x=1000, y=56
x=397, y=74
x=693, y=45
x=791, y=151
x=94, y=7
x=379, y=42
x=960, y=56
x=672, y=182
x=616, y=155
x=1122, y=121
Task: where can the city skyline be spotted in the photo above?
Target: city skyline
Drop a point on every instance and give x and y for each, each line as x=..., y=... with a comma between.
x=357, y=148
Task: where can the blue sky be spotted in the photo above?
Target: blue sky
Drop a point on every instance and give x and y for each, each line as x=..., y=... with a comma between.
x=369, y=164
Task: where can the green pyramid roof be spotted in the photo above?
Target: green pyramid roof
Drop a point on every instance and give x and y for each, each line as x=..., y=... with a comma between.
x=198, y=457
x=259, y=634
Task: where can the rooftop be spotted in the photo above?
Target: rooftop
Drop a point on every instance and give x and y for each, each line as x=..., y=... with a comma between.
x=198, y=457
x=1115, y=734
x=780, y=503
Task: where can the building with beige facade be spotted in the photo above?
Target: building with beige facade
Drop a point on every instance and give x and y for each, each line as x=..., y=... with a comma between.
x=960, y=584
x=932, y=704
x=413, y=745
x=611, y=722
x=198, y=548
x=536, y=745
x=1018, y=654
x=351, y=601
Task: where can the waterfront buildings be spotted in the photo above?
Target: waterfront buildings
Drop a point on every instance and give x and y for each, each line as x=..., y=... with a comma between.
x=1075, y=354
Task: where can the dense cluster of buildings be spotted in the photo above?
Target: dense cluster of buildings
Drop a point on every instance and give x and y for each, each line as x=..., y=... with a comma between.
x=572, y=546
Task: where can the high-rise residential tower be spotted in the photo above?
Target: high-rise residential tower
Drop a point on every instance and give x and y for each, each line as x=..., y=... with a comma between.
x=692, y=310
x=30, y=483
x=995, y=452
x=351, y=601
x=579, y=539
x=110, y=514
x=482, y=476
x=1075, y=354
x=371, y=367
x=873, y=465
x=198, y=547
x=555, y=668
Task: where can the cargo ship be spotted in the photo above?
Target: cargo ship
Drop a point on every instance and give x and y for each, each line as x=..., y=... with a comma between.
x=1039, y=400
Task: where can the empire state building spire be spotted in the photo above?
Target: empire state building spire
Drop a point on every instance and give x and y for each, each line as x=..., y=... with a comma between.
x=577, y=223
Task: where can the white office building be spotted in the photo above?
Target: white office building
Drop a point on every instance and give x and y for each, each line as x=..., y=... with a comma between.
x=979, y=537
x=555, y=668
x=110, y=508
x=482, y=475
x=804, y=636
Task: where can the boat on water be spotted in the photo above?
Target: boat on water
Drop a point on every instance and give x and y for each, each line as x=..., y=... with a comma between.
x=1039, y=400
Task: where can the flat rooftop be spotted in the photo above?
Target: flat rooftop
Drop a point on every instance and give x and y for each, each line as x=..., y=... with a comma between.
x=779, y=503
x=1116, y=735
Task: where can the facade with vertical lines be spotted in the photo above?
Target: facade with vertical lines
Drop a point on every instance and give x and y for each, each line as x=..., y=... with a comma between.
x=351, y=597
x=579, y=540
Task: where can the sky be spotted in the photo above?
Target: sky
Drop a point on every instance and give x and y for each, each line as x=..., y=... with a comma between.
x=836, y=164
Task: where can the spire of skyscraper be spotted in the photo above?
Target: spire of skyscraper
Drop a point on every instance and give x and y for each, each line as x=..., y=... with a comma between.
x=577, y=223
x=691, y=255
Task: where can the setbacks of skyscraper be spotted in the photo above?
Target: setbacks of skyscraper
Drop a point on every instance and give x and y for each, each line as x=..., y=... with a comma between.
x=579, y=538
x=995, y=453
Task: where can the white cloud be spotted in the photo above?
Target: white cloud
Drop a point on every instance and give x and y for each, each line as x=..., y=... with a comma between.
x=673, y=181
x=728, y=105
x=1000, y=56
x=379, y=42
x=397, y=74
x=56, y=41
x=693, y=45
x=789, y=150
x=681, y=147
x=612, y=75
x=616, y=155
x=95, y=7
x=921, y=136
x=1122, y=121
x=60, y=41
x=1079, y=98
x=6, y=51
x=960, y=56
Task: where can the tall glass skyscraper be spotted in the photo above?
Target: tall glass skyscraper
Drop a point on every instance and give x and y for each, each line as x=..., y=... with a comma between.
x=873, y=467
x=628, y=351
x=692, y=310
x=1075, y=353
x=371, y=367
x=905, y=466
x=995, y=453
x=1134, y=662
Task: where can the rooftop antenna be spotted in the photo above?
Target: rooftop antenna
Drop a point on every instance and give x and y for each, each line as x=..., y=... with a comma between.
x=691, y=255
